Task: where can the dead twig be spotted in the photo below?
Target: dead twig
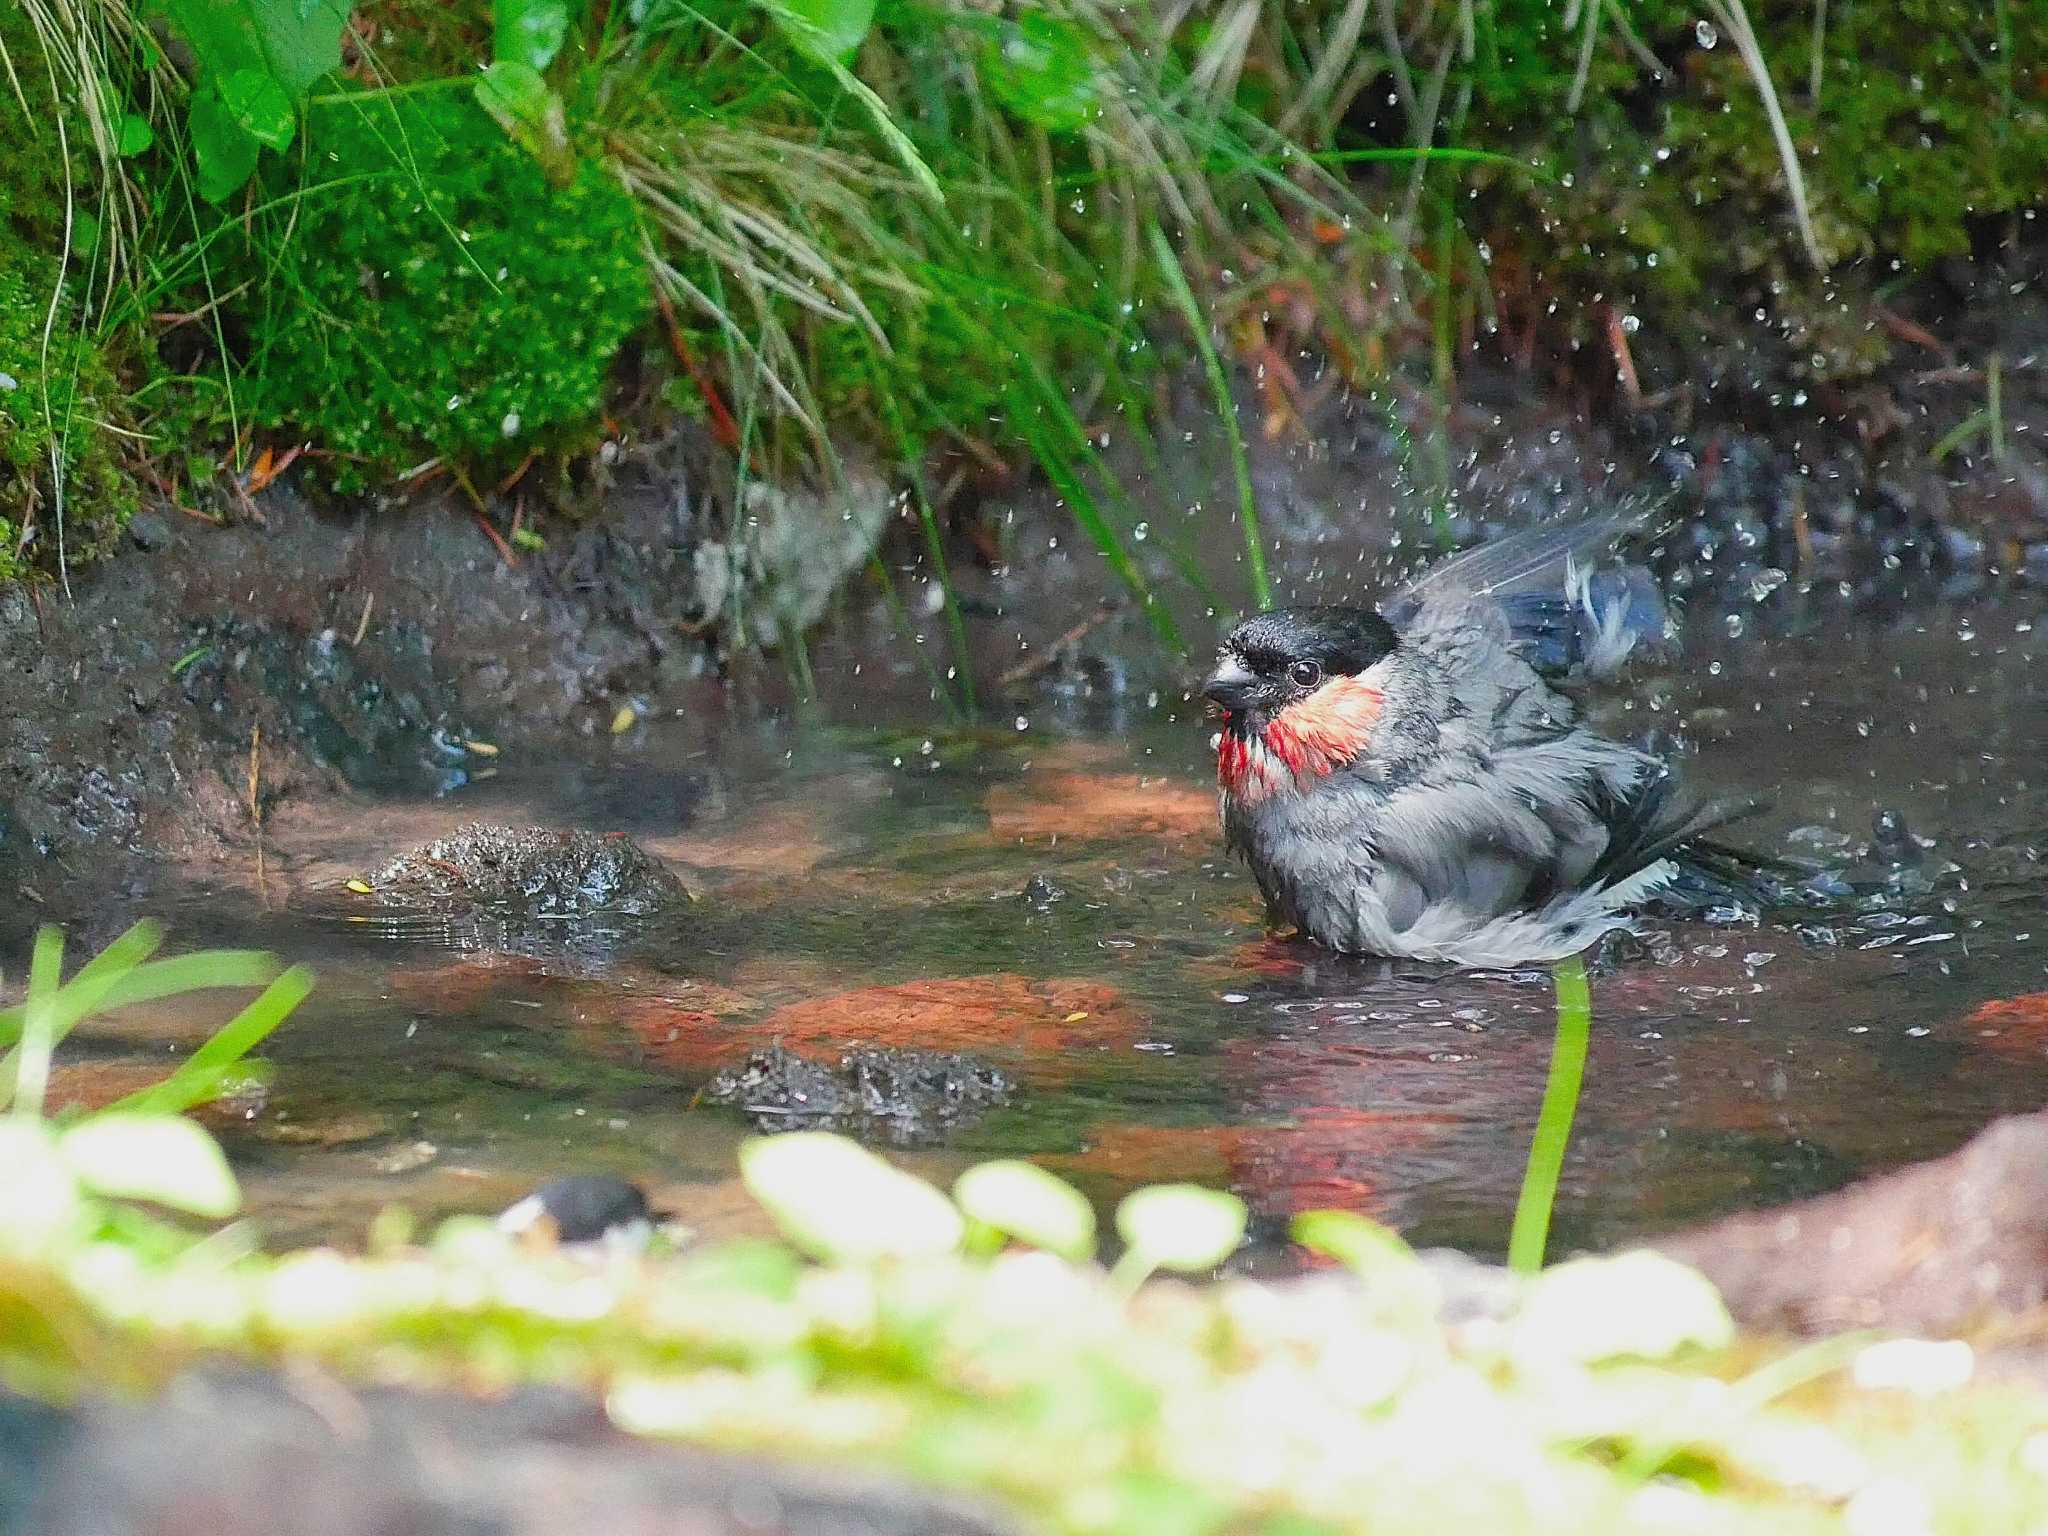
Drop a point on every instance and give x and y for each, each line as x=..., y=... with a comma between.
x=483, y=519
x=518, y=474
x=1917, y=334
x=723, y=428
x=1624, y=359
x=1049, y=655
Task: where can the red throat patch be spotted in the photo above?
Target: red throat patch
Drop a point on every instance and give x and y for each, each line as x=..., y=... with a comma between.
x=1307, y=740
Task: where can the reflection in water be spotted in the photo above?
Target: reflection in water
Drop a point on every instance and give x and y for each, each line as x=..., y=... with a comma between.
x=1060, y=908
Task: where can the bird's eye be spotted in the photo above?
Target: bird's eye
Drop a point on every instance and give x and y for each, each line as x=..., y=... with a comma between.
x=1306, y=674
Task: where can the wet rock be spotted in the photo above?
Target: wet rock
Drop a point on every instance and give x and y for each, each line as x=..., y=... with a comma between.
x=1893, y=840
x=1040, y=893
x=536, y=870
x=1936, y=1248
x=149, y=531
x=1042, y=1030
x=240, y=1454
x=906, y=1097
x=798, y=548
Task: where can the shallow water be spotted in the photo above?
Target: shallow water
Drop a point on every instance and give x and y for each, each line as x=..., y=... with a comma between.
x=1055, y=902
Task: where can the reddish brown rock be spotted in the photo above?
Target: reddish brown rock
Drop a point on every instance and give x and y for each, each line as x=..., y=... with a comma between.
x=1042, y=1028
x=1054, y=804
x=89, y=1086
x=2013, y=1027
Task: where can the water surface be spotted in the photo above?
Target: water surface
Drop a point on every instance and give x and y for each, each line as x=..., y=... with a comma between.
x=1053, y=898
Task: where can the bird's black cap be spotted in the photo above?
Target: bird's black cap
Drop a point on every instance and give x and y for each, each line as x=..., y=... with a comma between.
x=1343, y=641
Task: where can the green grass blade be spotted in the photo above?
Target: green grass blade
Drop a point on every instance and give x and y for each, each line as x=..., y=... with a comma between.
x=885, y=124
x=202, y=1074
x=31, y=1074
x=1226, y=409
x=1531, y=1231
x=97, y=986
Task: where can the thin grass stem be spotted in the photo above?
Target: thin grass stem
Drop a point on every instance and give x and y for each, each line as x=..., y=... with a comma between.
x=1531, y=1232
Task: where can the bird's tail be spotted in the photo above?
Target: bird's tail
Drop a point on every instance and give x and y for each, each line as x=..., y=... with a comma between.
x=1654, y=821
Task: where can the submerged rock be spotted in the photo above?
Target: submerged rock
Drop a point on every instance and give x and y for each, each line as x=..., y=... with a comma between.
x=906, y=1097
x=536, y=870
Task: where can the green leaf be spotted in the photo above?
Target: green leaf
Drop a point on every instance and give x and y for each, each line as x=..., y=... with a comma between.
x=839, y=1202
x=160, y=1158
x=1023, y=1201
x=259, y=105
x=529, y=32
x=1364, y=1247
x=1638, y=1304
x=751, y=1266
x=39, y=1201
x=134, y=135
x=1397, y=1287
x=293, y=41
x=1043, y=69
x=1181, y=1226
x=530, y=112
x=830, y=31
x=226, y=152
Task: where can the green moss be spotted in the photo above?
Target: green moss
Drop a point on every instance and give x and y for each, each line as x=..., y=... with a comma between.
x=58, y=400
x=438, y=296
x=1931, y=118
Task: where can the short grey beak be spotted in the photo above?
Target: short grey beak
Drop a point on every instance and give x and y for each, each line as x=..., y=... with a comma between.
x=1230, y=685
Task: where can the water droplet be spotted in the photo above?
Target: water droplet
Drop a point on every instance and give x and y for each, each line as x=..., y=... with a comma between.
x=1704, y=31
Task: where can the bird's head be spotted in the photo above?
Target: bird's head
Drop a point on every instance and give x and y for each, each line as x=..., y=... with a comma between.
x=1299, y=694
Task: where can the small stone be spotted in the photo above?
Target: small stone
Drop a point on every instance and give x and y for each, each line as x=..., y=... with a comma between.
x=148, y=532
x=534, y=869
x=409, y=1158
